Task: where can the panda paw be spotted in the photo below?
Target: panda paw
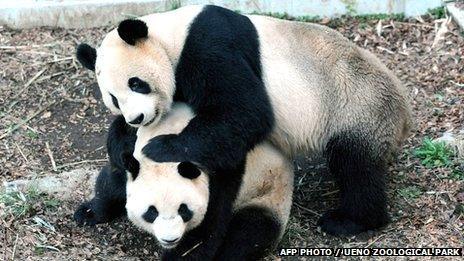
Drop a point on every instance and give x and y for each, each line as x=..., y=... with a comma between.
x=336, y=223
x=164, y=148
x=84, y=215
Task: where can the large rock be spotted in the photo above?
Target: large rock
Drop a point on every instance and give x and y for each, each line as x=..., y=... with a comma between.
x=64, y=186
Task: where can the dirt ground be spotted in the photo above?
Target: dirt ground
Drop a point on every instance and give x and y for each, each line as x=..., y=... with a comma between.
x=52, y=120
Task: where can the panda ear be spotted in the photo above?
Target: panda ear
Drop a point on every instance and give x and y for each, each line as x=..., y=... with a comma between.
x=131, y=30
x=188, y=170
x=130, y=164
x=87, y=56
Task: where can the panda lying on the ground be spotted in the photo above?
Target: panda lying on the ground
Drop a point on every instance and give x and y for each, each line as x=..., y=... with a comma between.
x=302, y=86
x=186, y=209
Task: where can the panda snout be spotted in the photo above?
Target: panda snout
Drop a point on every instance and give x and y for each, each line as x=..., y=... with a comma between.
x=137, y=120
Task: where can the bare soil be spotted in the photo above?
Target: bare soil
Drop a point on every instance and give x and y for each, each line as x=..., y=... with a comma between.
x=46, y=97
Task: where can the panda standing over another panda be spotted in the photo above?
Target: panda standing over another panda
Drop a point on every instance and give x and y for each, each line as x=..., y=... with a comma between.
x=302, y=86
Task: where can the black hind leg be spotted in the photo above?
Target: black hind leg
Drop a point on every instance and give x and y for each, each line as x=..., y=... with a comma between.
x=109, y=200
x=252, y=232
x=359, y=171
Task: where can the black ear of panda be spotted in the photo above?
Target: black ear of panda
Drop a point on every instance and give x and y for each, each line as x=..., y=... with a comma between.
x=131, y=30
x=130, y=164
x=86, y=55
x=188, y=170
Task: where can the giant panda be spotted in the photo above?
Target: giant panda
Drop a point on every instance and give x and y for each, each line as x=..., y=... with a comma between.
x=182, y=205
x=302, y=86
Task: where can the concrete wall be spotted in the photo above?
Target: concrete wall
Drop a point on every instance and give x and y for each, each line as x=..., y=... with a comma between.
x=91, y=13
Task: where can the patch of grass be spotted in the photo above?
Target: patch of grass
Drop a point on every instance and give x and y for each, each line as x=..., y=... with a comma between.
x=457, y=174
x=370, y=17
x=335, y=22
x=32, y=134
x=437, y=13
x=434, y=154
x=174, y=4
x=20, y=205
x=17, y=203
x=285, y=16
x=411, y=192
x=350, y=6
x=51, y=203
x=459, y=210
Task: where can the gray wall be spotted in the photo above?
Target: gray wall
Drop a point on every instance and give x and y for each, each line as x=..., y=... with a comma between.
x=91, y=13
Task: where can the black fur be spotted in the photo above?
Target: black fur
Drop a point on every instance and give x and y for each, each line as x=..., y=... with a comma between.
x=87, y=56
x=130, y=164
x=138, y=85
x=359, y=169
x=188, y=170
x=151, y=214
x=110, y=188
x=185, y=213
x=109, y=201
x=114, y=101
x=252, y=232
x=131, y=30
x=121, y=141
x=219, y=75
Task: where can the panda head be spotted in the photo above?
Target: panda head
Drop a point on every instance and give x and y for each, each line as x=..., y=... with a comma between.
x=167, y=200
x=133, y=71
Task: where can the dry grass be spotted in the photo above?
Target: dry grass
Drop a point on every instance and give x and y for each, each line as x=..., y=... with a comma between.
x=52, y=119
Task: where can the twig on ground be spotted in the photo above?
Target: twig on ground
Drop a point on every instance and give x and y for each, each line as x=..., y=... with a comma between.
x=50, y=155
x=330, y=193
x=458, y=84
x=12, y=47
x=55, y=61
x=385, y=49
x=307, y=209
x=17, y=126
x=191, y=249
x=14, y=248
x=20, y=151
x=375, y=240
x=80, y=162
x=28, y=84
x=414, y=24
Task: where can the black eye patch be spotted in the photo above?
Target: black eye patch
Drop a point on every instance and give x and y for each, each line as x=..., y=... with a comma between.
x=138, y=85
x=115, y=101
x=185, y=213
x=150, y=215
x=188, y=170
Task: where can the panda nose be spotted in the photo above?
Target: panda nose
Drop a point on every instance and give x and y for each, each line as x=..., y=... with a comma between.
x=137, y=120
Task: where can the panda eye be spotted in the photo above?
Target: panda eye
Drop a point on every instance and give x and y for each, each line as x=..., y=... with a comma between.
x=185, y=213
x=115, y=101
x=138, y=85
x=150, y=215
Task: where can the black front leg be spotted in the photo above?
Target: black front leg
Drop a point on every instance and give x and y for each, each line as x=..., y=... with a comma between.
x=109, y=200
x=110, y=188
x=212, y=141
